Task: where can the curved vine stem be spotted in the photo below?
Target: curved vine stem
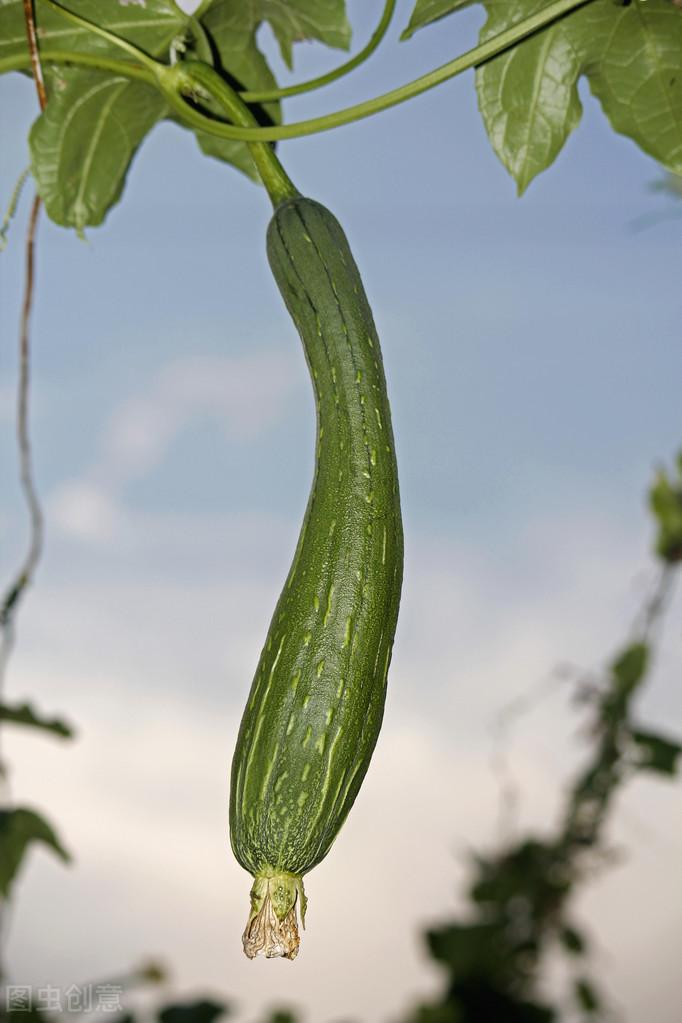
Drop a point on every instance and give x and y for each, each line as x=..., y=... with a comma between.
x=174, y=85
x=268, y=95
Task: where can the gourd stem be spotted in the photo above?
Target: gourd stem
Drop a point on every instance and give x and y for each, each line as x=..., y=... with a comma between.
x=268, y=95
x=191, y=73
x=475, y=57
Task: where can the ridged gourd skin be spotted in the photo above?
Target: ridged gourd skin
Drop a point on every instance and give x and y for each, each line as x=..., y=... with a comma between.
x=317, y=699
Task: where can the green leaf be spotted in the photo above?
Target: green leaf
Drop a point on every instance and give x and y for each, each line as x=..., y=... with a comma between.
x=291, y=20
x=428, y=11
x=24, y=714
x=82, y=145
x=296, y=20
x=630, y=666
x=665, y=499
x=656, y=752
x=18, y=829
x=528, y=95
x=586, y=995
x=151, y=25
x=638, y=75
x=572, y=940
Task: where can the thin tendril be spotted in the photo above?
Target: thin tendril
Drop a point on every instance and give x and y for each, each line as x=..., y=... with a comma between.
x=12, y=206
x=268, y=95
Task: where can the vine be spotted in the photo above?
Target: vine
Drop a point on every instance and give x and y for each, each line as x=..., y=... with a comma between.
x=174, y=83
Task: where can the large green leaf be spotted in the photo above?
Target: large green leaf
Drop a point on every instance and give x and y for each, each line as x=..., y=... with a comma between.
x=152, y=25
x=428, y=11
x=636, y=74
x=24, y=714
x=19, y=828
x=632, y=57
x=291, y=20
x=528, y=97
x=295, y=20
x=81, y=147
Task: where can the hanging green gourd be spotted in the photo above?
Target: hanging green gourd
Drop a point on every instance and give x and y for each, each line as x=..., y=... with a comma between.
x=316, y=704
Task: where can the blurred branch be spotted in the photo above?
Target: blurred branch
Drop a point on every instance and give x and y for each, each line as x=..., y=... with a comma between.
x=22, y=580
x=17, y=587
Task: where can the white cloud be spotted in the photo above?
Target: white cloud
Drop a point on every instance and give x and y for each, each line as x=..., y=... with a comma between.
x=82, y=510
x=244, y=396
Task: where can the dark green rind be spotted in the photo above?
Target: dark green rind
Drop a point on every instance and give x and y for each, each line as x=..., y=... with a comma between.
x=317, y=699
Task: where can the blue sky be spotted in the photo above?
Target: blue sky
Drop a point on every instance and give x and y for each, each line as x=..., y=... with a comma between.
x=533, y=357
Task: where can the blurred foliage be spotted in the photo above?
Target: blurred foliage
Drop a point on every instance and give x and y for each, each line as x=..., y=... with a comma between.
x=671, y=184
x=24, y=714
x=666, y=504
x=19, y=829
x=519, y=897
x=193, y=1012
